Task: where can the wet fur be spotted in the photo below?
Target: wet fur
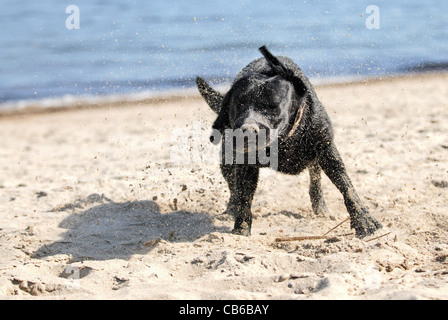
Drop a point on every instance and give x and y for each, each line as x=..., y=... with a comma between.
x=310, y=146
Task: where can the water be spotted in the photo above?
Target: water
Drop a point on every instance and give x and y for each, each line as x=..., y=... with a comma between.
x=136, y=48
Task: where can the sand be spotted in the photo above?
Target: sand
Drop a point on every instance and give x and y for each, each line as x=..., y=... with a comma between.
x=93, y=205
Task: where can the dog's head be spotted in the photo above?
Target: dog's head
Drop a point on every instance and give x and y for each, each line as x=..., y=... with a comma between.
x=259, y=102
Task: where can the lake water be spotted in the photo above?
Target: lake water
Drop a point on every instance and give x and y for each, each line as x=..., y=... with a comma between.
x=139, y=48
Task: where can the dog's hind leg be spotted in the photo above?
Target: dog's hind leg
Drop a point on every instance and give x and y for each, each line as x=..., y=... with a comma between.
x=316, y=194
x=360, y=219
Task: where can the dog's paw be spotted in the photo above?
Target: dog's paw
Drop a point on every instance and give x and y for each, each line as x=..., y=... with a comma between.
x=242, y=230
x=365, y=226
x=320, y=208
x=224, y=216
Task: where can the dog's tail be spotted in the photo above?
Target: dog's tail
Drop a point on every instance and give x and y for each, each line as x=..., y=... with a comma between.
x=280, y=69
x=275, y=64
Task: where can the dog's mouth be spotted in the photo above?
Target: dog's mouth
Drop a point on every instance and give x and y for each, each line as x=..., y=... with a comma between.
x=260, y=148
x=245, y=142
x=253, y=147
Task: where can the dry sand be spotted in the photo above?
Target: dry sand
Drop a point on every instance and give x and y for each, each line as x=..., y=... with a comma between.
x=93, y=207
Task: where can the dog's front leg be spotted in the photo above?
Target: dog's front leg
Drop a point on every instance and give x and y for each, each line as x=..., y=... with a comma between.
x=246, y=179
x=331, y=162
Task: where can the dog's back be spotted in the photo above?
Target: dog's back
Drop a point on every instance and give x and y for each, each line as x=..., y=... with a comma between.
x=262, y=66
x=316, y=127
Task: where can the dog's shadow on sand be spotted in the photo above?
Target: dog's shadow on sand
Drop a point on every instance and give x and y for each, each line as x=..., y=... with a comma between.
x=118, y=230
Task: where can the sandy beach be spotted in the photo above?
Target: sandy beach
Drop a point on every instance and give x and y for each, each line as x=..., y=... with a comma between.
x=94, y=207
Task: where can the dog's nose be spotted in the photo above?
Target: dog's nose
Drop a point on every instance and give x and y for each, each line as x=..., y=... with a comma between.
x=250, y=128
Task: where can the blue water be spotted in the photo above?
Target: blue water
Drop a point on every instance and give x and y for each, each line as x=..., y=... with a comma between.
x=130, y=47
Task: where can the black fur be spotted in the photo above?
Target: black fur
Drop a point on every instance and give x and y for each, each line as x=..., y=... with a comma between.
x=268, y=94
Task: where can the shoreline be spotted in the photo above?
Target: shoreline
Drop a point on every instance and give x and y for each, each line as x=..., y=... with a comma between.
x=43, y=106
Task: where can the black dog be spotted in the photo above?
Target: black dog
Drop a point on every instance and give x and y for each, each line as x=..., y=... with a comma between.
x=273, y=94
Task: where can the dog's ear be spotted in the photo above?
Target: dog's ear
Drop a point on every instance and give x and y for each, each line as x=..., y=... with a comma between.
x=222, y=122
x=213, y=98
x=219, y=103
x=280, y=69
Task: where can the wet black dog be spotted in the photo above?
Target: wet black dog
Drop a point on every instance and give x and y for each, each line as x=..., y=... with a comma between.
x=272, y=95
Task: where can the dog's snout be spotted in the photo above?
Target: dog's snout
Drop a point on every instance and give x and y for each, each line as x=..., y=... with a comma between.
x=250, y=128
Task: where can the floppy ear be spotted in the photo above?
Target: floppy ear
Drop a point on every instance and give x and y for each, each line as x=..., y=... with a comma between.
x=213, y=98
x=222, y=122
x=282, y=70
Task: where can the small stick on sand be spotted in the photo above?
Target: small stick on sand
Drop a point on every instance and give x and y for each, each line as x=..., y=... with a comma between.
x=300, y=238
x=324, y=236
x=311, y=237
x=335, y=227
x=378, y=237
